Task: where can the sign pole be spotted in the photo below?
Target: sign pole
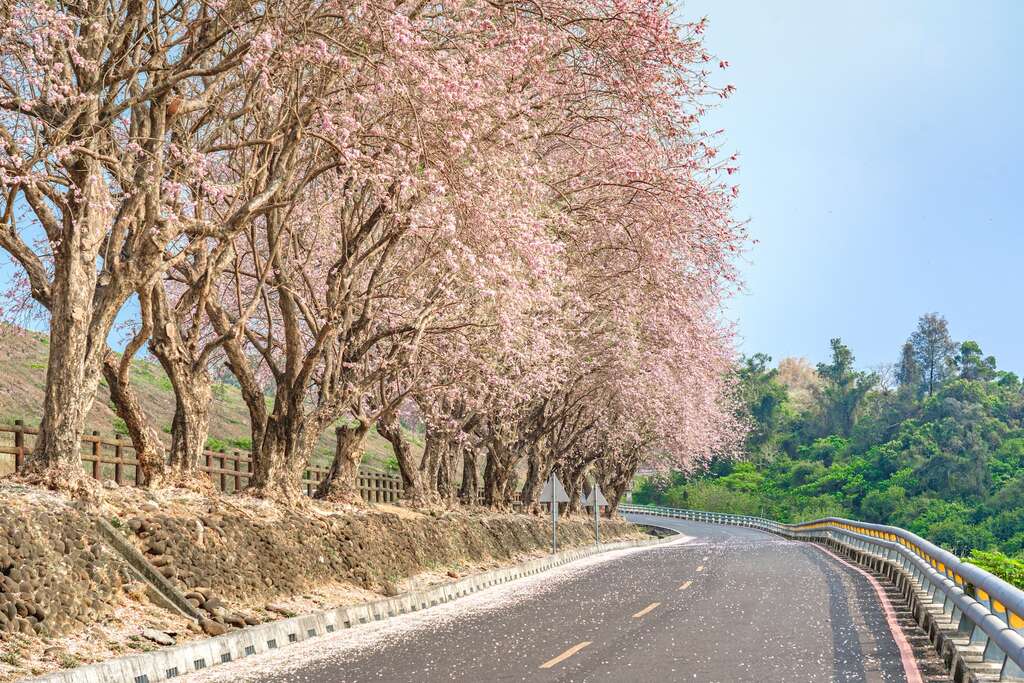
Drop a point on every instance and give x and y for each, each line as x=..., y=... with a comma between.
x=597, y=522
x=554, y=518
x=553, y=494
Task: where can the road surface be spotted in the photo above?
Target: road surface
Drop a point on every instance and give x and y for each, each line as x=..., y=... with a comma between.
x=726, y=604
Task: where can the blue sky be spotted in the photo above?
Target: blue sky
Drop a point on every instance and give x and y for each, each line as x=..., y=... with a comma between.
x=881, y=146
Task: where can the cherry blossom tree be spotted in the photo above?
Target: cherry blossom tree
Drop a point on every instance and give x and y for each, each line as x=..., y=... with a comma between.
x=92, y=173
x=507, y=215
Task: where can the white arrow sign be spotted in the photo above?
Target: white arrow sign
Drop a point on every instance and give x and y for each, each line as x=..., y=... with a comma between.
x=553, y=486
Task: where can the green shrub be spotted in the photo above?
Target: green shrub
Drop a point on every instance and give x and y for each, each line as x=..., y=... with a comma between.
x=1005, y=567
x=243, y=444
x=216, y=445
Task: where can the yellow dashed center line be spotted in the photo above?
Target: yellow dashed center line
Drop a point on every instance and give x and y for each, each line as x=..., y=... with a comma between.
x=685, y=585
x=565, y=655
x=645, y=610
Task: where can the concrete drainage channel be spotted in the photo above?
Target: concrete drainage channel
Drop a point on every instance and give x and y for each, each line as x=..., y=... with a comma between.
x=177, y=661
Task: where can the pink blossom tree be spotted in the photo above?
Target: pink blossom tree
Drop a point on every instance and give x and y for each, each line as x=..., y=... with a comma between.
x=93, y=174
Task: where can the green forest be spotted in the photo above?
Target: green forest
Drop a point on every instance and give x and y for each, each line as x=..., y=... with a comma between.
x=933, y=443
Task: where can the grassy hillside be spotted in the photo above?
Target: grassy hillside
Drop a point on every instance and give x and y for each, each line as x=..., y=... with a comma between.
x=23, y=378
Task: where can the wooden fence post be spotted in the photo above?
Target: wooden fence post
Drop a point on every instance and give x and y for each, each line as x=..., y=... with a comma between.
x=118, y=473
x=238, y=469
x=223, y=476
x=96, y=455
x=19, y=444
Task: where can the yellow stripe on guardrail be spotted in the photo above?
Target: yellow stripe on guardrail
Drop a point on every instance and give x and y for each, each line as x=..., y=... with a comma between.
x=1016, y=621
x=917, y=550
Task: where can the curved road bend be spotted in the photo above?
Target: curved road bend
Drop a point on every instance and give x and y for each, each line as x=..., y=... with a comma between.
x=729, y=604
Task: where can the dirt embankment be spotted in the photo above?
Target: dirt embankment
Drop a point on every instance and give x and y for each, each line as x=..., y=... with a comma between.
x=67, y=598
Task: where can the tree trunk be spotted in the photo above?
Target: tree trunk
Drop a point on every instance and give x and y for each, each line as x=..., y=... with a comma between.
x=342, y=483
x=602, y=480
x=192, y=393
x=536, y=474
x=469, y=490
x=279, y=459
x=574, y=487
x=73, y=371
x=189, y=430
x=414, y=489
x=497, y=474
x=617, y=487
x=149, y=450
x=433, y=455
x=446, y=474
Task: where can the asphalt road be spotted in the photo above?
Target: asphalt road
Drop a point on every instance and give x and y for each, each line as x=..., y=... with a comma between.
x=731, y=604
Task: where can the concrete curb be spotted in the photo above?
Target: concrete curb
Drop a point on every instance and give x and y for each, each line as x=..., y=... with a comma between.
x=169, y=663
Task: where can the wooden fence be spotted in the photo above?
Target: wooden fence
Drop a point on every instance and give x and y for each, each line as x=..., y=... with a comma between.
x=114, y=460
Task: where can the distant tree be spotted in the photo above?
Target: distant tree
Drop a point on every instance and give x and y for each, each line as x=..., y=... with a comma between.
x=844, y=388
x=934, y=350
x=886, y=373
x=973, y=365
x=800, y=380
x=908, y=372
x=762, y=397
x=841, y=367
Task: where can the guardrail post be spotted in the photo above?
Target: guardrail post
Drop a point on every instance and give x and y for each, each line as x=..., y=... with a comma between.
x=238, y=470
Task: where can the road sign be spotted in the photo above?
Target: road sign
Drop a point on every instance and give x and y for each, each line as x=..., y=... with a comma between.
x=596, y=497
x=601, y=502
x=554, y=493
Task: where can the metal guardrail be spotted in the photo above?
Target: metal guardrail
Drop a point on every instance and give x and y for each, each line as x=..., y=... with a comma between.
x=985, y=611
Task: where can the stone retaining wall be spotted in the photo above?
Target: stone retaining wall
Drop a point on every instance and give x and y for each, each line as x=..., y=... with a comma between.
x=56, y=575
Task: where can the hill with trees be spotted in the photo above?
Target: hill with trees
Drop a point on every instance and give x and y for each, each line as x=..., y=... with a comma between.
x=933, y=443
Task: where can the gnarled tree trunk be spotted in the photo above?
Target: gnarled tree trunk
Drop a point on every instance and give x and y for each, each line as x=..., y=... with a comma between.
x=192, y=393
x=281, y=451
x=415, y=488
x=189, y=430
x=536, y=474
x=149, y=450
x=446, y=472
x=79, y=325
x=342, y=482
x=469, y=489
x=430, y=466
x=498, y=473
